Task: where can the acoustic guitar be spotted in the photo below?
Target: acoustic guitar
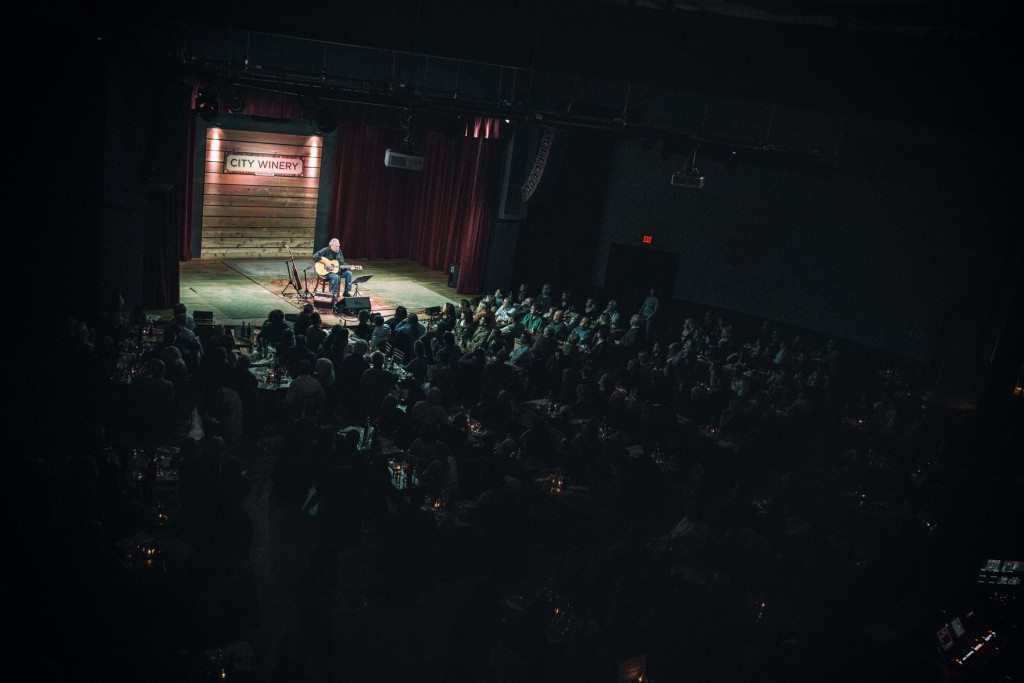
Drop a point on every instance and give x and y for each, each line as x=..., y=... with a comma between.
x=293, y=273
x=323, y=268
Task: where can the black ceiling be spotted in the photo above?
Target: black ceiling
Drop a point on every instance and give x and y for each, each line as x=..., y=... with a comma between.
x=931, y=61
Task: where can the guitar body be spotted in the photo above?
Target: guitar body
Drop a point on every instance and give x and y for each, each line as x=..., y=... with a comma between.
x=322, y=268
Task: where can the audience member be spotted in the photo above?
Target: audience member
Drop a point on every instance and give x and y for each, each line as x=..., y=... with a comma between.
x=274, y=327
x=305, y=394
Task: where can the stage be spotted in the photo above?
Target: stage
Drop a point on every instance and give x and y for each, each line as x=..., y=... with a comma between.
x=240, y=291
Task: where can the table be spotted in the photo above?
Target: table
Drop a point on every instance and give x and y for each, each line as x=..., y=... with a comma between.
x=152, y=483
x=269, y=379
x=154, y=557
x=557, y=486
x=714, y=436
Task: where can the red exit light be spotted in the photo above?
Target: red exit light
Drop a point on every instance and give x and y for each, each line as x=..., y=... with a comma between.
x=647, y=239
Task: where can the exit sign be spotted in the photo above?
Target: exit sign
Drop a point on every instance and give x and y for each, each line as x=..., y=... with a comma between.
x=647, y=239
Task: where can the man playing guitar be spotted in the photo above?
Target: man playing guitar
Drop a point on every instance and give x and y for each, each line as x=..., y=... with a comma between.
x=329, y=262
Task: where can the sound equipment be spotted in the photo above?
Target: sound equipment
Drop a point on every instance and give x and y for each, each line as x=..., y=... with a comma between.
x=352, y=304
x=692, y=179
x=453, y=275
x=203, y=317
x=530, y=186
x=407, y=160
x=323, y=299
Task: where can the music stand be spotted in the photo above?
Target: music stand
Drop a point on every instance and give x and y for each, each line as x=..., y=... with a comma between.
x=358, y=281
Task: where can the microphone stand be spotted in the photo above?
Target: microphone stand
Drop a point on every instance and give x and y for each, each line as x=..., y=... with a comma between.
x=305, y=278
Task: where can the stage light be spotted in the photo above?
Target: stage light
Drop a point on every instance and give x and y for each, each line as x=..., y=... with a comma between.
x=236, y=105
x=206, y=105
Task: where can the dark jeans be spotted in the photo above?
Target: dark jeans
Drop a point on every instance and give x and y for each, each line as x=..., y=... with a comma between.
x=335, y=280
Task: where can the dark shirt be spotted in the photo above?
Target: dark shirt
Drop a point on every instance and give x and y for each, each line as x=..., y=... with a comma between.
x=583, y=334
x=374, y=384
x=544, y=346
x=350, y=372
x=496, y=376
x=225, y=341
x=392, y=421
x=330, y=255
x=543, y=302
x=417, y=367
x=364, y=331
x=294, y=355
x=272, y=331
x=561, y=330
x=632, y=339
x=245, y=384
x=302, y=323
x=413, y=332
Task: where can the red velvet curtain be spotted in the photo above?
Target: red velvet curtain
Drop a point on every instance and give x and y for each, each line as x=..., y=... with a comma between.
x=454, y=212
x=184, y=190
x=439, y=216
x=168, y=228
x=160, y=285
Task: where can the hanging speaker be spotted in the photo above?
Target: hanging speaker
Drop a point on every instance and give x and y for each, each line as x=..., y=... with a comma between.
x=539, y=163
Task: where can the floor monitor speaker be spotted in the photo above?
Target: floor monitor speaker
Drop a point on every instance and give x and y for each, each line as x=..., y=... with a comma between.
x=323, y=299
x=352, y=304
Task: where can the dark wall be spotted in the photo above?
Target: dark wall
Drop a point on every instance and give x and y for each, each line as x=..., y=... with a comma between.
x=558, y=240
x=906, y=233
x=59, y=205
x=136, y=145
x=501, y=249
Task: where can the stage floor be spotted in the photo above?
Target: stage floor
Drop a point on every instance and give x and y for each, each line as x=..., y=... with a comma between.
x=245, y=291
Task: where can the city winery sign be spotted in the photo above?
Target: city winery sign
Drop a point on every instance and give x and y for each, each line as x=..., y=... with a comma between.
x=262, y=164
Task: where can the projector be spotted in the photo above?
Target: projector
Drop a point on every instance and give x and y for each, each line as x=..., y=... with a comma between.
x=407, y=160
x=692, y=179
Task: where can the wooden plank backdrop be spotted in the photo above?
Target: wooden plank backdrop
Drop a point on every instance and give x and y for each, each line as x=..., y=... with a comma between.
x=251, y=216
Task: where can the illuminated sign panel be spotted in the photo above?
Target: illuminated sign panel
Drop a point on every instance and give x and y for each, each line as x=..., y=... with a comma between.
x=263, y=164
